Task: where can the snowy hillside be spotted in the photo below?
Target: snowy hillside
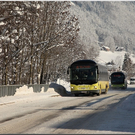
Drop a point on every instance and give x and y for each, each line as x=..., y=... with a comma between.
x=107, y=23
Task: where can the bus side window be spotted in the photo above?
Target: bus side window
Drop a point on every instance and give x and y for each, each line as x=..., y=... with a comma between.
x=97, y=70
x=97, y=74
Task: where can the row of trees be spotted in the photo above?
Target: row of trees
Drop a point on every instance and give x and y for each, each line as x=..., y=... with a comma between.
x=38, y=40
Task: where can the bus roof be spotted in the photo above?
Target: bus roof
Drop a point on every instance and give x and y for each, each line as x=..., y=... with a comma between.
x=83, y=62
x=88, y=61
x=119, y=72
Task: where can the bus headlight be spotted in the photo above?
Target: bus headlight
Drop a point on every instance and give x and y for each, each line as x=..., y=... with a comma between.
x=72, y=88
x=95, y=87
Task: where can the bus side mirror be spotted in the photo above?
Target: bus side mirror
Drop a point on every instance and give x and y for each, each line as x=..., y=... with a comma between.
x=97, y=70
x=68, y=70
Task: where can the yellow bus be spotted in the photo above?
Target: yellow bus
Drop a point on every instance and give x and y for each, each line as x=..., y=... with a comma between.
x=118, y=80
x=87, y=76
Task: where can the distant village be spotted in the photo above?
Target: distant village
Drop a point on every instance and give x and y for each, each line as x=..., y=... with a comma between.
x=111, y=66
x=106, y=48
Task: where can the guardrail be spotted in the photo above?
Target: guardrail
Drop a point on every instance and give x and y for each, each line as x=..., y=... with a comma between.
x=10, y=90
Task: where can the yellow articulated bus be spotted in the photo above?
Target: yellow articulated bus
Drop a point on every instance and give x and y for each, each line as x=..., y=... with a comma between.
x=87, y=76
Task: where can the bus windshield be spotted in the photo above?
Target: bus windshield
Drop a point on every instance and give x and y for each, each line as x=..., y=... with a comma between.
x=83, y=75
x=117, y=79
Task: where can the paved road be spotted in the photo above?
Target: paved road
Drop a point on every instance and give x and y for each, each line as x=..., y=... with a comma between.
x=109, y=113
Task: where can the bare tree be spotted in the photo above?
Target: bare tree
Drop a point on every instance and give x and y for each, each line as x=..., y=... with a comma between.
x=29, y=34
x=60, y=29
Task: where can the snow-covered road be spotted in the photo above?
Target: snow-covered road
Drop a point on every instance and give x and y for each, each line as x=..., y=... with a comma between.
x=51, y=113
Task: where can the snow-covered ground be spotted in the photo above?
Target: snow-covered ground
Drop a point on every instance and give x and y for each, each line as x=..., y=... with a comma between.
x=24, y=93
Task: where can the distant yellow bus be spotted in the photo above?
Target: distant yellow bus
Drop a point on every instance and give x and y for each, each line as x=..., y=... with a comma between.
x=87, y=76
x=119, y=80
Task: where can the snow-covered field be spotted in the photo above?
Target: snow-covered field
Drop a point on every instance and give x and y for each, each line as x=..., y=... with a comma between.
x=117, y=57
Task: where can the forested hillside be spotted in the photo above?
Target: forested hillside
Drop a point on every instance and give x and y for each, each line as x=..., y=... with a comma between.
x=109, y=23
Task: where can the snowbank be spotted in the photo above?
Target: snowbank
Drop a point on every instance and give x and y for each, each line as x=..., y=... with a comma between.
x=24, y=90
x=59, y=87
x=64, y=84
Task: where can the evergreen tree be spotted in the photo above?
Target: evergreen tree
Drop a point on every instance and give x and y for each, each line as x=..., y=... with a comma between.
x=127, y=64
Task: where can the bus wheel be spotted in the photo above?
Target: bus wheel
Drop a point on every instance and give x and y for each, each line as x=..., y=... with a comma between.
x=99, y=93
x=76, y=94
x=106, y=90
x=124, y=88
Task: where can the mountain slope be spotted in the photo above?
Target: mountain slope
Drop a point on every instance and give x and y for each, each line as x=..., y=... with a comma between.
x=109, y=23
